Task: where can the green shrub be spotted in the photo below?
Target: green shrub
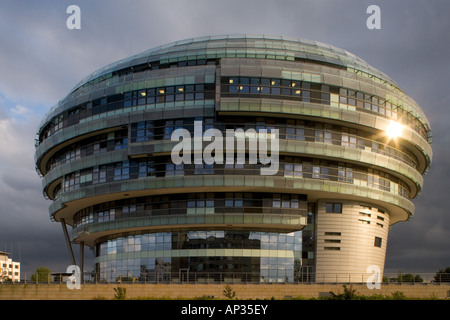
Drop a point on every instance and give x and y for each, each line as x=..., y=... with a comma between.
x=228, y=292
x=398, y=295
x=349, y=294
x=121, y=293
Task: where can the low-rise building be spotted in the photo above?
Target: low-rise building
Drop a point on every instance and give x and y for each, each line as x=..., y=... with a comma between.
x=9, y=270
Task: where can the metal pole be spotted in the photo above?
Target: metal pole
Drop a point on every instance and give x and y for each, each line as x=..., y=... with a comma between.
x=69, y=246
x=82, y=261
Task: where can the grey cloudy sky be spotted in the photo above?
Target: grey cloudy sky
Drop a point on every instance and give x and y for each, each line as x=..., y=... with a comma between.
x=41, y=60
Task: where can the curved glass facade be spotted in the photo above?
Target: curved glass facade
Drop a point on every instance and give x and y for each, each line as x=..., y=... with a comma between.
x=207, y=255
x=105, y=153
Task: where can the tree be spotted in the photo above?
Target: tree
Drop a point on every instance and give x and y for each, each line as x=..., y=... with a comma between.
x=228, y=292
x=443, y=275
x=42, y=274
x=407, y=277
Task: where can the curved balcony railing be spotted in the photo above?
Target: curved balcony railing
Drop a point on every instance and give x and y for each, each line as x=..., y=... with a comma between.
x=188, y=207
x=265, y=221
x=126, y=171
x=286, y=132
x=289, y=132
x=87, y=150
x=322, y=94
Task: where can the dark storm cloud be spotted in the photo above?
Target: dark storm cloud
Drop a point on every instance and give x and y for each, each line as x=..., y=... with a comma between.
x=416, y=53
x=41, y=60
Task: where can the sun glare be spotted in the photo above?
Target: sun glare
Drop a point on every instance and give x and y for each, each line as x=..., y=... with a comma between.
x=394, y=129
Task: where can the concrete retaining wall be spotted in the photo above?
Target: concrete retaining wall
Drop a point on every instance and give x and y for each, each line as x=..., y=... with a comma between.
x=191, y=291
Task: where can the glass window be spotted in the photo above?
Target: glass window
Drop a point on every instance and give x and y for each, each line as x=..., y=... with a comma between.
x=290, y=133
x=275, y=82
x=229, y=201
x=306, y=95
x=276, y=203
x=265, y=81
x=204, y=168
x=265, y=90
x=255, y=80
x=276, y=91
x=378, y=242
x=286, y=92
x=244, y=89
x=324, y=173
x=174, y=169
x=295, y=84
x=232, y=80
x=333, y=207
x=316, y=172
x=293, y=170
x=244, y=80
x=255, y=89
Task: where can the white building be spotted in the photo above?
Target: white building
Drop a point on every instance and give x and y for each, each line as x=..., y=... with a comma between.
x=8, y=268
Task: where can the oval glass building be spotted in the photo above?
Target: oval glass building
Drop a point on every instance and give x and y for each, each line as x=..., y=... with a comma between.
x=126, y=159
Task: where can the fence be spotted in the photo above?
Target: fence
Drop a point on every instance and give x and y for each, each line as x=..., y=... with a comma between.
x=190, y=277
